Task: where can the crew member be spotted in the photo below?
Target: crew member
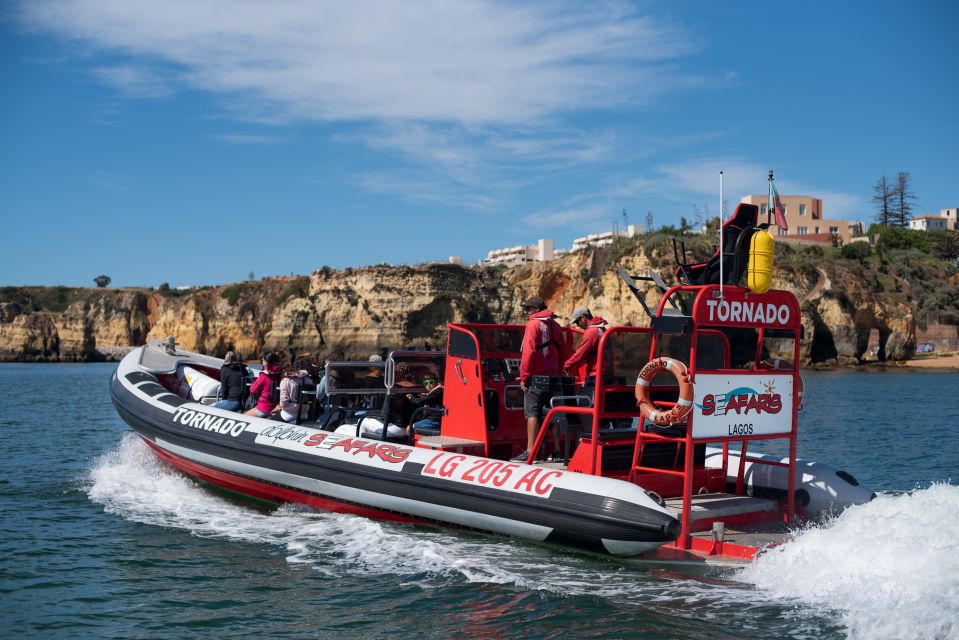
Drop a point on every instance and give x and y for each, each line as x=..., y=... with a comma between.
x=543, y=353
x=588, y=351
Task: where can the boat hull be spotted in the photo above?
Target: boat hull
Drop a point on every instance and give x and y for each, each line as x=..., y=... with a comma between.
x=281, y=462
x=821, y=489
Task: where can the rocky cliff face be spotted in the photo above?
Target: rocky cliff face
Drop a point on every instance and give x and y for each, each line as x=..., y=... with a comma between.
x=370, y=310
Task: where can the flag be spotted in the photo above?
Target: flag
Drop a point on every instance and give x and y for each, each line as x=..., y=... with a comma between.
x=776, y=206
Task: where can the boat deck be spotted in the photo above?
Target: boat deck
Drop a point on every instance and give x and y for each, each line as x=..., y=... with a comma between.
x=754, y=535
x=719, y=505
x=155, y=359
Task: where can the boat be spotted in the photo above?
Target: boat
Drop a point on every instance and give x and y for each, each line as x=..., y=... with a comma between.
x=651, y=467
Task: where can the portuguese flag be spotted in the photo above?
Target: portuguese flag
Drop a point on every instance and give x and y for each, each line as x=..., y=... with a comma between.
x=776, y=206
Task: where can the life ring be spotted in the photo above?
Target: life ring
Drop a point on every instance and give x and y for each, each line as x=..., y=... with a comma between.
x=781, y=364
x=684, y=403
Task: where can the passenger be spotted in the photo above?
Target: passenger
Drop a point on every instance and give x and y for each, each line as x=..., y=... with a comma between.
x=263, y=386
x=544, y=352
x=588, y=351
x=311, y=367
x=321, y=389
x=404, y=376
x=432, y=399
x=295, y=375
x=233, y=375
x=374, y=379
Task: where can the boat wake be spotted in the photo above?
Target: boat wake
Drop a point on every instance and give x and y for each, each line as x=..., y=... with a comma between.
x=890, y=568
x=886, y=569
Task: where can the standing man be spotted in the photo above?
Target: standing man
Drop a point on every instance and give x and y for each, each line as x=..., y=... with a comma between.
x=543, y=353
x=588, y=351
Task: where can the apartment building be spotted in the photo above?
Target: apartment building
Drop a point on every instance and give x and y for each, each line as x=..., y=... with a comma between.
x=542, y=250
x=603, y=239
x=804, y=217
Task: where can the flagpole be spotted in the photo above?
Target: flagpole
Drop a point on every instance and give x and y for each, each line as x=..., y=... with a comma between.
x=769, y=200
x=722, y=258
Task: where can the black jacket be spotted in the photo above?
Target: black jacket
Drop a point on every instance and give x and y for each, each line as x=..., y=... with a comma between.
x=231, y=381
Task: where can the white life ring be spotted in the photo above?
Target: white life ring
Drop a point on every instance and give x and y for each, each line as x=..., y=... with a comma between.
x=684, y=403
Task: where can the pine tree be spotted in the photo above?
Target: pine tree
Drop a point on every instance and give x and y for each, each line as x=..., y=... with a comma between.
x=903, y=195
x=883, y=199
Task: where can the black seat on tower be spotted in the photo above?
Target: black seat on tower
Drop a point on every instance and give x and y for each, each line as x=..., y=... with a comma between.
x=736, y=234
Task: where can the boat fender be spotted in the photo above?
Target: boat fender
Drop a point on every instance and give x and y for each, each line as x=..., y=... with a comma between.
x=683, y=404
x=780, y=364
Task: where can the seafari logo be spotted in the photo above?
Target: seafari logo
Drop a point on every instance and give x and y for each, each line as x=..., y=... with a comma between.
x=742, y=400
x=209, y=422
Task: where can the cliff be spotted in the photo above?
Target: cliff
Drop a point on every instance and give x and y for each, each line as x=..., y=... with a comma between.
x=373, y=309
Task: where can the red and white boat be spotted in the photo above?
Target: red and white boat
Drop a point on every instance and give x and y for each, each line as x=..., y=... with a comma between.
x=674, y=492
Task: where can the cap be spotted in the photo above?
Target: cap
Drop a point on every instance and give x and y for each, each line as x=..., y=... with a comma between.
x=534, y=301
x=578, y=313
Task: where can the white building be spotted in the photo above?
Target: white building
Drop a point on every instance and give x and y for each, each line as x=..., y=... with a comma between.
x=603, y=239
x=542, y=250
x=929, y=223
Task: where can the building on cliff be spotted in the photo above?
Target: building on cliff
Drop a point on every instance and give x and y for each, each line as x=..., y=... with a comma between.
x=952, y=215
x=929, y=223
x=805, y=220
x=539, y=252
x=944, y=221
x=604, y=239
x=544, y=250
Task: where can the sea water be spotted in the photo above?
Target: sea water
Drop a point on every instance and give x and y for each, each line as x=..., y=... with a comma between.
x=100, y=539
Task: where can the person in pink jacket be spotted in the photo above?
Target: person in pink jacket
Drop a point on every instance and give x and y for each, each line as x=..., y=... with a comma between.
x=262, y=387
x=544, y=352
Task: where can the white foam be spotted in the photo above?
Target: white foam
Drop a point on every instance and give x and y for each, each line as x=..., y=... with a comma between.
x=889, y=568
x=132, y=482
x=886, y=569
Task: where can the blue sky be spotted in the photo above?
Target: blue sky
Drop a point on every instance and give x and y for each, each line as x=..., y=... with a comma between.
x=194, y=142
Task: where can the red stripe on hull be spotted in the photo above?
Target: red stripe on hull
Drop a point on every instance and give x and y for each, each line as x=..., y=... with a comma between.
x=273, y=493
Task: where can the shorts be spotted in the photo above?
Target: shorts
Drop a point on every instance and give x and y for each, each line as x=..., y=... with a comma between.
x=262, y=414
x=534, y=400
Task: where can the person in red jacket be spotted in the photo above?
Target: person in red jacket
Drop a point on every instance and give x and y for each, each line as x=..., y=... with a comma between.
x=543, y=353
x=588, y=351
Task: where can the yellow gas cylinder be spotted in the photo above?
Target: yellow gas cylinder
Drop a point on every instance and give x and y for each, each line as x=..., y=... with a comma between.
x=762, y=250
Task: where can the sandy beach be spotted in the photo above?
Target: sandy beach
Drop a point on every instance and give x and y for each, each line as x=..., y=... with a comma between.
x=947, y=362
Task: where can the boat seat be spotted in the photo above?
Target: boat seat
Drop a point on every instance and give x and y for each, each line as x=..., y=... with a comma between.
x=616, y=433
x=736, y=234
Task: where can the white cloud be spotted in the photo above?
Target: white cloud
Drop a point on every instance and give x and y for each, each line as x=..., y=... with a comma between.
x=476, y=99
x=427, y=189
x=683, y=189
x=134, y=81
x=491, y=159
x=467, y=62
x=588, y=217
x=244, y=138
x=844, y=206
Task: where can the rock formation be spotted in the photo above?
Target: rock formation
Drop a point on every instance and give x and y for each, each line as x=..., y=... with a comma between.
x=373, y=309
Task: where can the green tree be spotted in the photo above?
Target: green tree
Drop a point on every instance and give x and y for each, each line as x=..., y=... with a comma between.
x=102, y=281
x=946, y=245
x=903, y=197
x=884, y=201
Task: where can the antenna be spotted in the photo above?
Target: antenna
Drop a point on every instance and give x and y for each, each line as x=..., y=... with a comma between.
x=722, y=258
